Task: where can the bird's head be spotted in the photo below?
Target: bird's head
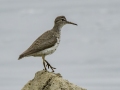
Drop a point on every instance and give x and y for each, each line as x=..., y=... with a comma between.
x=61, y=21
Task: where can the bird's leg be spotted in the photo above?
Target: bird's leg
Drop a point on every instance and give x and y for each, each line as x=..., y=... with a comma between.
x=44, y=63
x=48, y=64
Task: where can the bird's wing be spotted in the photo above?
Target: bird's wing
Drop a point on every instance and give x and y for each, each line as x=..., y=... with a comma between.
x=43, y=42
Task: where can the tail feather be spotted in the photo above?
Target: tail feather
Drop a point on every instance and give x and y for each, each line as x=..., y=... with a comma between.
x=21, y=56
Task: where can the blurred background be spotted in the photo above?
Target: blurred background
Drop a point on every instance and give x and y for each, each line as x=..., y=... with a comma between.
x=88, y=55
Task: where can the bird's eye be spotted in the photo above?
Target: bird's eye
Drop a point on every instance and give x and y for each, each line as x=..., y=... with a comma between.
x=63, y=19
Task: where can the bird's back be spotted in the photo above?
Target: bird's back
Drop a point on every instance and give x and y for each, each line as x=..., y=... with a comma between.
x=46, y=40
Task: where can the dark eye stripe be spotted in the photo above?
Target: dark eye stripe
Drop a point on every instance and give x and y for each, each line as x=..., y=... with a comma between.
x=62, y=18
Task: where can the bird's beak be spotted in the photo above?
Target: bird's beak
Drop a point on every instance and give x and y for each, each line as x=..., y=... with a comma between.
x=68, y=22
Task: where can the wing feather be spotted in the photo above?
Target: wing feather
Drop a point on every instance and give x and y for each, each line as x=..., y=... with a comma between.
x=46, y=40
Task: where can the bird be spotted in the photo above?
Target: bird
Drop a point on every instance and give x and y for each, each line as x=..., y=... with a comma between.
x=47, y=43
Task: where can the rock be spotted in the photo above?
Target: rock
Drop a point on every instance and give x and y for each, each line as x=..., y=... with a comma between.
x=45, y=80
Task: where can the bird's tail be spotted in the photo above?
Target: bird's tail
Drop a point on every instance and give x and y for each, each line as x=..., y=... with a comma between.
x=21, y=56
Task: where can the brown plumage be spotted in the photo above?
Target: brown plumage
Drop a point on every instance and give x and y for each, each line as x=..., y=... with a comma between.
x=47, y=43
x=46, y=40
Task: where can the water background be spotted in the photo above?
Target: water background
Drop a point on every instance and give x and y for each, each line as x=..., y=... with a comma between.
x=88, y=54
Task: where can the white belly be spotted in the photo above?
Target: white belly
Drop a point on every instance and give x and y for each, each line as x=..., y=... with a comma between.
x=49, y=50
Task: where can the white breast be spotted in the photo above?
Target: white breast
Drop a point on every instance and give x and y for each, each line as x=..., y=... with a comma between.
x=49, y=50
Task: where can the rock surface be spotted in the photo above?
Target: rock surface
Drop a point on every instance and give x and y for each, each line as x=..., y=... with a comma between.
x=45, y=80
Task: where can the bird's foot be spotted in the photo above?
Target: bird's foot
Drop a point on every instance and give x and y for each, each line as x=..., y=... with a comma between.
x=49, y=66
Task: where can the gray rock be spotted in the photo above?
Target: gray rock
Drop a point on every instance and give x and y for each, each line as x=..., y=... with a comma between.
x=45, y=80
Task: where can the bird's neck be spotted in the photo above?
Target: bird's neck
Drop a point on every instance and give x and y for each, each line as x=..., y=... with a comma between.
x=57, y=28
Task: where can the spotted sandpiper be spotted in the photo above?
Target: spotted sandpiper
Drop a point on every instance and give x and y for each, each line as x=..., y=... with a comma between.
x=47, y=43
